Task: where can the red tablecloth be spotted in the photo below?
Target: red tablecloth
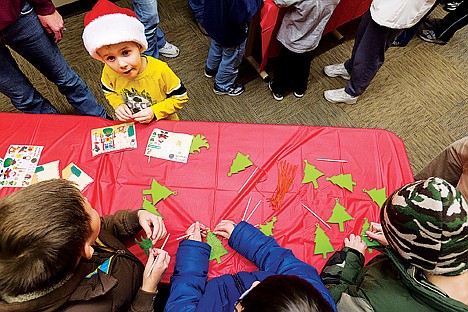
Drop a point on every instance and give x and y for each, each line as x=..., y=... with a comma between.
x=376, y=158
x=271, y=17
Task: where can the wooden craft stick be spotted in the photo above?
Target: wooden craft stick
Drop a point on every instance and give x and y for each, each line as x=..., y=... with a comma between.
x=186, y=235
x=256, y=206
x=332, y=160
x=246, y=208
x=310, y=210
x=256, y=168
x=376, y=233
x=154, y=261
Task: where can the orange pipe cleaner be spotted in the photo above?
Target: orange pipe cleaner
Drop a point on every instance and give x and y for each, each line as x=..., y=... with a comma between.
x=286, y=174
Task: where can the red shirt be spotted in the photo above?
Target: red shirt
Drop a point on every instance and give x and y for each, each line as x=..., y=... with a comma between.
x=10, y=10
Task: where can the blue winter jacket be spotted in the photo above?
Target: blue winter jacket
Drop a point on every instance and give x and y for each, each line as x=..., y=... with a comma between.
x=190, y=290
x=226, y=21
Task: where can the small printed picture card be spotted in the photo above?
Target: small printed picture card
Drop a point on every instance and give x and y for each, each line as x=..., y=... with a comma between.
x=75, y=174
x=19, y=165
x=113, y=138
x=169, y=145
x=47, y=171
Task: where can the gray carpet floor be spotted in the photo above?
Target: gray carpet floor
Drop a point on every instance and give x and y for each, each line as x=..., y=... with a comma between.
x=420, y=93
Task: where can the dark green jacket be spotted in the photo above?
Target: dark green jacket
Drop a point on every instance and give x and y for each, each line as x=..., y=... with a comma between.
x=385, y=284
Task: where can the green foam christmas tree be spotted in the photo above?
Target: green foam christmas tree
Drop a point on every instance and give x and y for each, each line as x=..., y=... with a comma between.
x=217, y=248
x=339, y=215
x=268, y=227
x=378, y=196
x=343, y=180
x=240, y=163
x=369, y=243
x=311, y=174
x=147, y=205
x=322, y=243
x=198, y=142
x=145, y=244
x=158, y=192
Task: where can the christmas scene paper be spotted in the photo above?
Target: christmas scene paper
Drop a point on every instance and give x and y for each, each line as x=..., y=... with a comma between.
x=19, y=165
x=113, y=138
x=169, y=145
x=75, y=174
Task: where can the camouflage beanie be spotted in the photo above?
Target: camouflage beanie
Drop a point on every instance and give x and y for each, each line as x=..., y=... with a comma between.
x=426, y=222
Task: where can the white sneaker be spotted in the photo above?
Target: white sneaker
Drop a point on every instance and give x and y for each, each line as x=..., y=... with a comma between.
x=337, y=70
x=339, y=96
x=169, y=50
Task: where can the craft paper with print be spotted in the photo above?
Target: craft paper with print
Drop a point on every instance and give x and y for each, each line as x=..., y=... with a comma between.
x=19, y=165
x=47, y=171
x=113, y=138
x=169, y=145
x=75, y=174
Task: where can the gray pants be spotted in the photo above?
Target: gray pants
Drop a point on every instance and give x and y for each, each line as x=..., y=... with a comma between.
x=372, y=40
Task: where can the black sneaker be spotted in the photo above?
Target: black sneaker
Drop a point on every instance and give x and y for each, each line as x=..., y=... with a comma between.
x=276, y=96
x=298, y=94
x=451, y=6
x=234, y=90
x=429, y=35
x=432, y=22
x=210, y=73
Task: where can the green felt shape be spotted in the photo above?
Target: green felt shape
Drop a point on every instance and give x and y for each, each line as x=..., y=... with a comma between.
x=145, y=244
x=75, y=170
x=268, y=227
x=217, y=248
x=158, y=192
x=39, y=169
x=343, y=180
x=311, y=174
x=148, y=206
x=339, y=215
x=378, y=196
x=198, y=142
x=369, y=243
x=241, y=162
x=131, y=130
x=322, y=243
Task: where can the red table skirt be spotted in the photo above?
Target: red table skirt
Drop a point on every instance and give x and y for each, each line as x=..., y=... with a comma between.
x=375, y=158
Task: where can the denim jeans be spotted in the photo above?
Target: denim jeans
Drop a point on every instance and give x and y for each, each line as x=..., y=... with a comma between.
x=197, y=7
x=147, y=13
x=225, y=62
x=28, y=38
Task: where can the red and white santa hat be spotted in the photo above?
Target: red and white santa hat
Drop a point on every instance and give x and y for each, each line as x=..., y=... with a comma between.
x=108, y=24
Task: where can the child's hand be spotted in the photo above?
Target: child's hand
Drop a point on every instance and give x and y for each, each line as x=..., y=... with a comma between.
x=123, y=113
x=150, y=283
x=355, y=242
x=144, y=116
x=196, y=230
x=224, y=228
x=148, y=220
x=375, y=232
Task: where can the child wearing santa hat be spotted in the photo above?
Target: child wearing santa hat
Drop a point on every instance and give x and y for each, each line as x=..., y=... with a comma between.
x=138, y=87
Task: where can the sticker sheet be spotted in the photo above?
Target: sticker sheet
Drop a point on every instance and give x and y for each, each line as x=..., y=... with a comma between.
x=169, y=145
x=19, y=165
x=75, y=174
x=113, y=138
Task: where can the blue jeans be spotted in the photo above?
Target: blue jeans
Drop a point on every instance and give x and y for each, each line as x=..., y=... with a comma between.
x=197, y=7
x=225, y=62
x=28, y=38
x=147, y=13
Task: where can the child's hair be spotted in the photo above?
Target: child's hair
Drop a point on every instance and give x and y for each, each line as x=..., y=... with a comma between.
x=285, y=293
x=43, y=229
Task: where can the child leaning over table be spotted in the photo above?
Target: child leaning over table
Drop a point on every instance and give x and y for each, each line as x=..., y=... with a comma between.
x=138, y=87
x=283, y=283
x=57, y=254
x=424, y=267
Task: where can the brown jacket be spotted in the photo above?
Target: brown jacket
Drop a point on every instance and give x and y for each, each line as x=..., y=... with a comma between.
x=117, y=290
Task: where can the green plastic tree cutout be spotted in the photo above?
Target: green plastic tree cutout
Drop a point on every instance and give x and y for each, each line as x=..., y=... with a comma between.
x=343, y=180
x=268, y=227
x=311, y=174
x=369, y=243
x=158, y=192
x=147, y=205
x=198, y=142
x=322, y=242
x=145, y=244
x=378, y=196
x=217, y=248
x=339, y=215
x=241, y=162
